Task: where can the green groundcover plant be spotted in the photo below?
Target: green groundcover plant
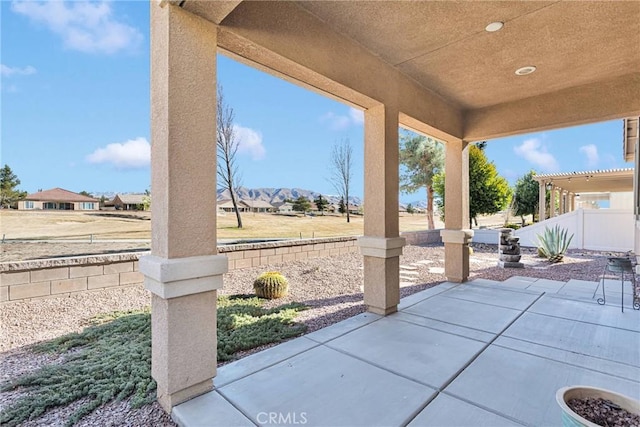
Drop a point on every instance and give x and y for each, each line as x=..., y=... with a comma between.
x=111, y=359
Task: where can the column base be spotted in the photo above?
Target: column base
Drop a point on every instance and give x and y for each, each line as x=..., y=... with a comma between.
x=183, y=324
x=456, y=254
x=381, y=273
x=168, y=401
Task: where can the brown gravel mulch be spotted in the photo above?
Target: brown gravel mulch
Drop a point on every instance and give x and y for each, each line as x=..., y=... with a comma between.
x=603, y=412
x=330, y=286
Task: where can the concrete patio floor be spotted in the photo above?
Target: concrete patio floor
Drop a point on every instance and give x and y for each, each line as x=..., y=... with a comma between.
x=482, y=353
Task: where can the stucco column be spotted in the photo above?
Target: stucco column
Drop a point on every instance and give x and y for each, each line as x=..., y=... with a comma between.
x=552, y=202
x=183, y=271
x=542, y=201
x=381, y=245
x=456, y=236
x=573, y=202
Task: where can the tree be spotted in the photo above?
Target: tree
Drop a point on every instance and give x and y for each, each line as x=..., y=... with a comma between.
x=227, y=145
x=488, y=191
x=301, y=204
x=341, y=207
x=422, y=158
x=321, y=203
x=9, y=194
x=146, y=200
x=411, y=210
x=341, y=164
x=525, y=197
x=86, y=193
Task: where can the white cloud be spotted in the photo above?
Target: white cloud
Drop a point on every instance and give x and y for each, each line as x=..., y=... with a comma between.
x=338, y=122
x=335, y=121
x=84, y=26
x=357, y=116
x=132, y=154
x=7, y=71
x=591, y=152
x=249, y=142
x=535, y=153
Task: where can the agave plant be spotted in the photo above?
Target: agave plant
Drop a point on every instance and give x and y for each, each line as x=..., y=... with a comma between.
x=554, y=243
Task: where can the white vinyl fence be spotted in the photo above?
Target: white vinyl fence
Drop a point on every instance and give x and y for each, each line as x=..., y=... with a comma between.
x=594, y=229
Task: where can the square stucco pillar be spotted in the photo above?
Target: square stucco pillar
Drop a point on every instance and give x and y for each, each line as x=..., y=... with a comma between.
x=542, y=201
x=456, y=236
x=183, y=271
x=381, y=245
x=552, y=202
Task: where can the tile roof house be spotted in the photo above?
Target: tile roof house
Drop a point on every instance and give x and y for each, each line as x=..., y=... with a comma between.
x=129, y=202
x=58, y=199
x=227, y=206
x=259, y=206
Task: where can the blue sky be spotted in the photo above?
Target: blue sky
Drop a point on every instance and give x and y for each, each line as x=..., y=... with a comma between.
x=75, y=111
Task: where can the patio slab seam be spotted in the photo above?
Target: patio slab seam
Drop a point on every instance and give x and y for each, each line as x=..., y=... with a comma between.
x=480, y=302
x=477, y=354
x=187, y=418
x=577, y=365
x=484, y=408
x=384, y=368
x=541, y=313
x=266, y=366
x=431, y=295
x=499, y=334
x=444, y=330
x=502, y=287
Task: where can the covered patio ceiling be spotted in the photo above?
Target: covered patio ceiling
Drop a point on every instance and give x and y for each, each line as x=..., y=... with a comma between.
x=612, y=180
x=429, y=66
x=585, y=53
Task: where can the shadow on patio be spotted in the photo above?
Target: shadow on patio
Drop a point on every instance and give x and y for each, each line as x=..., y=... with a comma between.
x=482, y=353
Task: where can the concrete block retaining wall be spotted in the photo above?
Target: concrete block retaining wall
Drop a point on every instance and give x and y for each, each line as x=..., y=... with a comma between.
x=58, y=277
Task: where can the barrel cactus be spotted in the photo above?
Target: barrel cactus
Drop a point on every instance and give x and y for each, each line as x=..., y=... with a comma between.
x=271, y=285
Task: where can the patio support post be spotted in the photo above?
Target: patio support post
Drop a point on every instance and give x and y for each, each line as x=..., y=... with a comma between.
x=456, y=236
x=573, y=202
x=183, y=271
x=552, y=202
x=542, y=201
x=381, y=245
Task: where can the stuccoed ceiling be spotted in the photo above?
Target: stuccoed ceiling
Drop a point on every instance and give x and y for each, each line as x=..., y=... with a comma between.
x=443, y=45
x=587, y=55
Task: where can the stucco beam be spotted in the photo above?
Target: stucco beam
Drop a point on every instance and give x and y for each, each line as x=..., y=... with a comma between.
x=607, y=100
x=288, y=40
x=214, y=11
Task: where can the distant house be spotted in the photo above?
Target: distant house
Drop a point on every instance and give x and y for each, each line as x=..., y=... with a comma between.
x=355, y=209
x=58, y=199
x=129, y=202
x=227, y=206
x=285, y=207
x=259, y=206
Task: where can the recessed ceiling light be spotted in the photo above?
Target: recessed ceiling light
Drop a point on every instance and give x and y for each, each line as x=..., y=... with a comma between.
x=494, y=26
x=525, y=70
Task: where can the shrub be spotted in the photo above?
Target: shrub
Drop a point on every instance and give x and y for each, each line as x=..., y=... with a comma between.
x=271, y=285
x=554, y=243
x=111, y=359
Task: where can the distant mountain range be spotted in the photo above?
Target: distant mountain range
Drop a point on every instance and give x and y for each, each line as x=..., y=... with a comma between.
x=279, y=195
x=276, y=195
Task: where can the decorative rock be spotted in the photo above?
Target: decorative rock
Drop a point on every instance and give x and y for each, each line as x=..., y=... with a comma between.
x=509, y=249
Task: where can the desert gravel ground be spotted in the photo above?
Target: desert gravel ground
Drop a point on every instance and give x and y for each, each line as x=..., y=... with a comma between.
x=331, y=287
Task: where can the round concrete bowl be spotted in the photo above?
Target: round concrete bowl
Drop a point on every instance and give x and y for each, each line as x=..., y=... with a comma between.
x=571, y=419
